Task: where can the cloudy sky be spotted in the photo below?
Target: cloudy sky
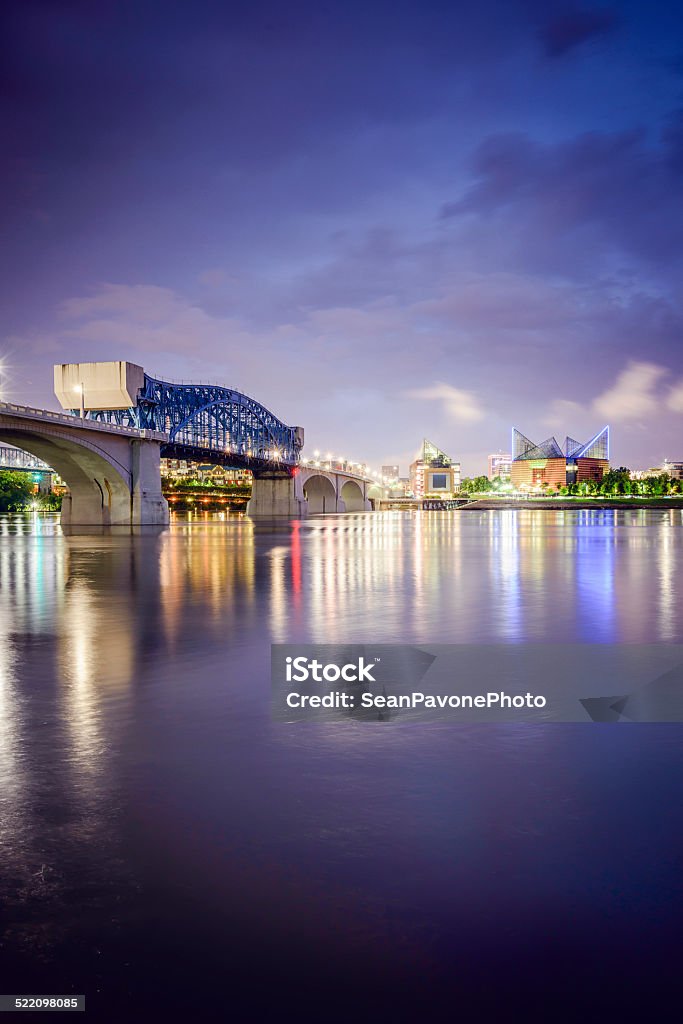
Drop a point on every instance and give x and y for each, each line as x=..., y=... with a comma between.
x=384, y=220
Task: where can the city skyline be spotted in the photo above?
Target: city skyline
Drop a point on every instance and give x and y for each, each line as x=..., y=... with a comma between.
x=383, y=224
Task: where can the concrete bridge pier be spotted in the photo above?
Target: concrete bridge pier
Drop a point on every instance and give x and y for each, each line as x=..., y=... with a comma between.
x=276, y=493
x=100, y=496
x=148, y=503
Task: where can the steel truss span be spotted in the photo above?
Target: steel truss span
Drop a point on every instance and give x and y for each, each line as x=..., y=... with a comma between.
x=212, y=424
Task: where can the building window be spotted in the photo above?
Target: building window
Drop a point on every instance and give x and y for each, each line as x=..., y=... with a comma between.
x=439, y=482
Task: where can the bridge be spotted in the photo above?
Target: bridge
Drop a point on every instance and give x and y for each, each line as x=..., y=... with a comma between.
x=112, y=472
x=18, y=461
x=204, y=422
x=120, y=421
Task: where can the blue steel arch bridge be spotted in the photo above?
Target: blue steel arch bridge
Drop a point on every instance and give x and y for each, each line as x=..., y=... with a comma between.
x=18, y=461
x=209, y=423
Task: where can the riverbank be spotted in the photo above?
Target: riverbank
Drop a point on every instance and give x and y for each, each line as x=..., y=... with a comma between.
x=487, y=504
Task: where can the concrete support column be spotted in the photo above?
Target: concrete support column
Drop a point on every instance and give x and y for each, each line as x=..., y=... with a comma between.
x=277, y=494
x=340, y=503
x=86, y=504
x=148, y=505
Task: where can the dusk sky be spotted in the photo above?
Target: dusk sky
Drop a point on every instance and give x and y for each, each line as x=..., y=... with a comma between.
x=383, y=220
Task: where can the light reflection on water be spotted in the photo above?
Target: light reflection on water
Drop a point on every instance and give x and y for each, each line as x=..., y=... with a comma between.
x=135, y=738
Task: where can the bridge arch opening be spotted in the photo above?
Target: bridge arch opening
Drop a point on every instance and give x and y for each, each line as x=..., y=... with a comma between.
x=99, y=492
x=321, y=496
x=352, y=496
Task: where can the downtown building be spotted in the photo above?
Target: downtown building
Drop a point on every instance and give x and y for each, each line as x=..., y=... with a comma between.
x=673, y=469
x=499, y=466
x=546, y=464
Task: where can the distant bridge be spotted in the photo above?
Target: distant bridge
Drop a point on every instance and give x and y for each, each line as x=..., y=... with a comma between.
x=21, y=462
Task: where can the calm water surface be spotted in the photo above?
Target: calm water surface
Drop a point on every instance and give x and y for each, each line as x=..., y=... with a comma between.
x=167, y=849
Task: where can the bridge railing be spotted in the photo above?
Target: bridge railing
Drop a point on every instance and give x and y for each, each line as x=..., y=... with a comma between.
x=360, y=470
x=73, y=420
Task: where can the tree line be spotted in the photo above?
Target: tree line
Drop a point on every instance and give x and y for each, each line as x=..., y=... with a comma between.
x=614, y=482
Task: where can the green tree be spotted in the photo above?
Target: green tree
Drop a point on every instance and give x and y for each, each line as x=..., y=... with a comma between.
x=616, y=481
x=16, y=491
x=657, y=484
x=48, y=502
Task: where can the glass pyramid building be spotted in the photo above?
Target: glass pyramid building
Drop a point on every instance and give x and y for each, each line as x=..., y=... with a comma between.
x=550, y=464
x=433, y=456
x=434, y=473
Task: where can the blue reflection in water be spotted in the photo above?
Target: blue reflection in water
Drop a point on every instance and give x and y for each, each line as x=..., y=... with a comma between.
x=145, y=790
x=594, y=550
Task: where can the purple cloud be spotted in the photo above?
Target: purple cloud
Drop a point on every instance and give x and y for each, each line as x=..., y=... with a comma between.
x=260, y=189
x=567, y=31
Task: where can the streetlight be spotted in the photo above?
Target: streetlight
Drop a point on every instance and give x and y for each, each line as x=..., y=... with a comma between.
x=79, y=389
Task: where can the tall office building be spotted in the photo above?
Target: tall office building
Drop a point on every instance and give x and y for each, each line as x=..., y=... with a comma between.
x=499, y=466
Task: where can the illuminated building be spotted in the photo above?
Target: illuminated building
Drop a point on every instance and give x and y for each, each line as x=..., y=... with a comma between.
x=181, y=469
x=499, y=466
x=548, y=465
x=434, y=473
x=674, y=469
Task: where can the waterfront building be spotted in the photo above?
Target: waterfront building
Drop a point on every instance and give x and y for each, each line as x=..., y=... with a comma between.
x=643, y=474
x=433, y=473
x=400, y=487
x=674, y=469
x=499, y=466
x=390, y=473
x=206, y=473
x=548, y=465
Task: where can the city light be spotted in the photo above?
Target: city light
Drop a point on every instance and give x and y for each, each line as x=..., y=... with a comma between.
x=80, y=390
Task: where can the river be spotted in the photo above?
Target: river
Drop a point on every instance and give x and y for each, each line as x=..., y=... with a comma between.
x=173, y=853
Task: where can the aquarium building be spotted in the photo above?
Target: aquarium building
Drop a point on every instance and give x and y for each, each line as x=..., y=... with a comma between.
x=548, y=465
